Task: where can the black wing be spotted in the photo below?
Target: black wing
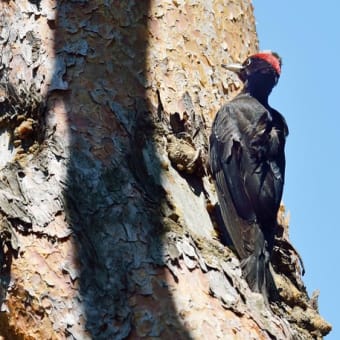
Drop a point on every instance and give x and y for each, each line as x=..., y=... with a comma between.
x=247, y=163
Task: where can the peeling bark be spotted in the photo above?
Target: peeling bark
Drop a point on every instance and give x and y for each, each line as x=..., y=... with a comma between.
x=107, y=222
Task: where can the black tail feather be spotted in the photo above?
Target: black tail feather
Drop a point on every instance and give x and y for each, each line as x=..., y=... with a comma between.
x=257, y=272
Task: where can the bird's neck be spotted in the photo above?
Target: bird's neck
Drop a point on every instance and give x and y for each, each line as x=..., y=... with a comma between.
x=259, y=88
x=259, y=95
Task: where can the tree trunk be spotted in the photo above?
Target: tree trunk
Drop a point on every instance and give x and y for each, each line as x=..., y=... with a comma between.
x=106, y=203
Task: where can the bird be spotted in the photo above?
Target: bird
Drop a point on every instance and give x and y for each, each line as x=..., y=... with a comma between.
x=247, y=162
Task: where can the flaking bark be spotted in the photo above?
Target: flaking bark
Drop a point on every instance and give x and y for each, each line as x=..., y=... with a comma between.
x=106, y=206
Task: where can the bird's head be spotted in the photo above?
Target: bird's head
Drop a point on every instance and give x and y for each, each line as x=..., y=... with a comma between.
x=261, y=65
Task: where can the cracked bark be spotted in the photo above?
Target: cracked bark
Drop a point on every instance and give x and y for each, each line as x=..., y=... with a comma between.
x=105, y=112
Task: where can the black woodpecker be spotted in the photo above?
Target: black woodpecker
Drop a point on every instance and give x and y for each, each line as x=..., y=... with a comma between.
x=247, y=162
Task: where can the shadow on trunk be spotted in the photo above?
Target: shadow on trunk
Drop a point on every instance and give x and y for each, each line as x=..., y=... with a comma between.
x=112, y=203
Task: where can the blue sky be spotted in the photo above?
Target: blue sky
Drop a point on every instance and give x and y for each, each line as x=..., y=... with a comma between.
x=307, y=36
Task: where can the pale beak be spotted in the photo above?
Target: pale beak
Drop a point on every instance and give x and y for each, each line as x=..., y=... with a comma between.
x=237, y=68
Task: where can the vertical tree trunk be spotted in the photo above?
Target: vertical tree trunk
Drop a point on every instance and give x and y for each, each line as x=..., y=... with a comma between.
x=105, y=108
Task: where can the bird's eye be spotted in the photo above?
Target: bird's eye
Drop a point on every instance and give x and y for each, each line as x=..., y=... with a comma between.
x=248, y=62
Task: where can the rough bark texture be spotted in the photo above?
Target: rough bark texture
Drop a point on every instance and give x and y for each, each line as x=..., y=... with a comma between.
x=106, y=206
